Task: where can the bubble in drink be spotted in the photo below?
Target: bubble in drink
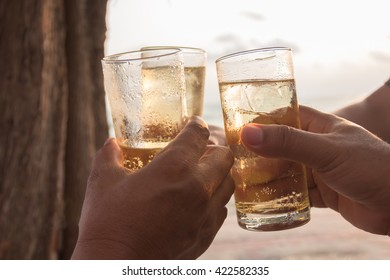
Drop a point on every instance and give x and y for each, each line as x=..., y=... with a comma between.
x=147, y=123
x=264, y=186
x=146, y=92
x=136, y=158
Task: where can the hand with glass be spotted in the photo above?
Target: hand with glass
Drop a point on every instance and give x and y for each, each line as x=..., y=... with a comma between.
x=170, y=209
x=170, y=203
x=349, y=166
x=258, y=86
x=174, y=206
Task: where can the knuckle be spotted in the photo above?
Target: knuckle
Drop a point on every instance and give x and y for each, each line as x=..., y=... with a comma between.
x=176, y=167
x=198, y=129
x=222, y=156
x=188, y=190
x=173, y=162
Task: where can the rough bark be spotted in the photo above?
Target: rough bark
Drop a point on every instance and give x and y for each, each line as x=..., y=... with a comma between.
x=33, y=112
x=87, y=123
x=52, y=119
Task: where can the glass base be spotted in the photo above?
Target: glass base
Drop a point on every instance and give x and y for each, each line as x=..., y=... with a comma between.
x=273, y=222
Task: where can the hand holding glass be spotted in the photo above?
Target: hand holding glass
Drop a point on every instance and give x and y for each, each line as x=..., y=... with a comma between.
x=258, y=86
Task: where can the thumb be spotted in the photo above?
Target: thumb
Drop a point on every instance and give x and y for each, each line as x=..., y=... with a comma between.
x=110, y=153
x=280, y=141
x=108, y=158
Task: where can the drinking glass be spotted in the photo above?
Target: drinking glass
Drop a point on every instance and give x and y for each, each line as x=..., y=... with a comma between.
x=258, y=86
x=195, y=75
x=146, y=93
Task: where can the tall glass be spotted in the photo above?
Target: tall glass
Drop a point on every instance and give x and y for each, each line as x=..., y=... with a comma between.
x=146, y=93
x=195, y=60
x=258, y=86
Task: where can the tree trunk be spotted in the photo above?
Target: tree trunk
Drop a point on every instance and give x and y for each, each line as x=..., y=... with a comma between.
x=87, y=123
x=33, y=114
x=52, y=119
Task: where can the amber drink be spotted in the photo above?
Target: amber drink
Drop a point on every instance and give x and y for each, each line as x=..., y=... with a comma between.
x=195, y=79
x=270, y=194
x=195, y=76
x=146, y=93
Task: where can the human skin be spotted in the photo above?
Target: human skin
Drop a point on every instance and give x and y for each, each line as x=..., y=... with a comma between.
x=372, y=112
x=350, y=166
x=170, y=209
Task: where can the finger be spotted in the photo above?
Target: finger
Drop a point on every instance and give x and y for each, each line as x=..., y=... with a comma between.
x=315, y=121
x=212, y=225
x=282, y=141
x=110, y=153
x=329, y=197
x=222, y=194
x=214, y=166
x=316, y=199
x=190, y=143
x=206, y=235
x=109, y=157
x=363, y=217
x=314, y=193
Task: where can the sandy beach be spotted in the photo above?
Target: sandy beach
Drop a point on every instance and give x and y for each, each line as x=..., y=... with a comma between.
x=327, y=237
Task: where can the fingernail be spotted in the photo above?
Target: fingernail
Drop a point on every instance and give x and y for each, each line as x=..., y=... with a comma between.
x=252, y=135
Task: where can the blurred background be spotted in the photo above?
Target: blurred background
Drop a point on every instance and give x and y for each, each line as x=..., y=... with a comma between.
x=341, y=48
x=341, y=54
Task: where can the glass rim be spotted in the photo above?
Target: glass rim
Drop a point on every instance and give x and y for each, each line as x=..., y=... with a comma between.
x=183, y=48
x=115, y=58
x=252, y=51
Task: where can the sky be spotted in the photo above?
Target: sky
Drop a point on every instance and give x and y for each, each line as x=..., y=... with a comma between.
x=341, y=48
